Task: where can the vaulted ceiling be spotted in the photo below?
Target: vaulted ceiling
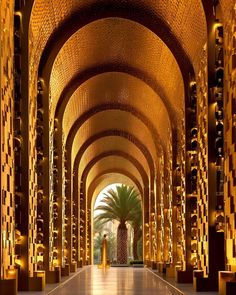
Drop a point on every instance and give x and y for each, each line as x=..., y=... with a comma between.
x=117, y=73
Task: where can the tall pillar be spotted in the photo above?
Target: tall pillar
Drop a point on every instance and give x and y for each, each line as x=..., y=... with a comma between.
x=78, y=243
x=25, y=156
x=187, y=191
x=160, y=213
x=230, y=137
x=146, y=232
x=210, y=154
x=71, y=214
x=8, y=273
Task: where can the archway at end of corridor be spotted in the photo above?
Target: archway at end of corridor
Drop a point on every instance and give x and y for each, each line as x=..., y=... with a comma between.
x=100, y=227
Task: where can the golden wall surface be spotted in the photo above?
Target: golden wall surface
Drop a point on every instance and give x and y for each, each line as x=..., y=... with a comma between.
x=202, y=160
x=7, y=222
x=230, y=137
x=180, y=201
x=177, y=227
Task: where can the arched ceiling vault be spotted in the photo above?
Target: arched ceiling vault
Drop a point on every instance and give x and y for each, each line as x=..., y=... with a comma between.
x=227, y=7
x=116, y=133
x=115, y=40
x=112, y=144
x=83, y=76
x=124, y=92
x=103, y=180
x=110, y=107
x=116, y=120
x=156, y=41
x=181, y=24
x=110, y=156
x=112, y=163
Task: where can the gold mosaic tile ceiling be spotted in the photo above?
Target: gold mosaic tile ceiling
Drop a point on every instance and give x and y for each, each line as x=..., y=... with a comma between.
x=227, y=6
x=185, y=19
x=124, y=42
x=123, y=90
x=112, y=163
x=112, y=144
x=110, y=120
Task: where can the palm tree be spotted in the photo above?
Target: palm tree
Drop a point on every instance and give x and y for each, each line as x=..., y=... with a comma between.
x=99, y=227
x=136, y=224
x=120, y=205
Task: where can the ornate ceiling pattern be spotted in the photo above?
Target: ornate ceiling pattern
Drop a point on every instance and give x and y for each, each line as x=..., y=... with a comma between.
x=124, y=90
x=98, y=147
x=113, y=163
x=118, y=120
x=227, y=6
x=184, y=18
x=88, y=47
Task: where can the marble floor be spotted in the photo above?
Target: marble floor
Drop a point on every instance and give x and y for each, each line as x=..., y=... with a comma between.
x=113, y=281
x=186, y=289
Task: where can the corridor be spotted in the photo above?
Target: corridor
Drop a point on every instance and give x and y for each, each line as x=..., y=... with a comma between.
x=114, y=281
x=140, y=93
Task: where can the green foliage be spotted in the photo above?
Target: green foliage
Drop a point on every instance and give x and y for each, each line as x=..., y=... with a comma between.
x=99, y=230
x=123, y=205
x=120, y=205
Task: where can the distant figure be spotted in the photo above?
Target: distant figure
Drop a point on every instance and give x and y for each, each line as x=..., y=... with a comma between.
x=104, y=263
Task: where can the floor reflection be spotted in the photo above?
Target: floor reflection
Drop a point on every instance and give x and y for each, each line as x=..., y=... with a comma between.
x=114, y=281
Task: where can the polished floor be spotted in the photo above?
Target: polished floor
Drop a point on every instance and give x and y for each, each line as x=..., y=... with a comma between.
x=113, y=281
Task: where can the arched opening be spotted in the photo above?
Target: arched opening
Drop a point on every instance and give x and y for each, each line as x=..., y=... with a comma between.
x=100, y=225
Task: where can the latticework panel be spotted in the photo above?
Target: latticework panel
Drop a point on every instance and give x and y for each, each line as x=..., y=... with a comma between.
x=202, y=159
x=230, y=139
x=7, y=221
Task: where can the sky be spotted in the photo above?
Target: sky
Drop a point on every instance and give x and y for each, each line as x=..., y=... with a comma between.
x=101, y=196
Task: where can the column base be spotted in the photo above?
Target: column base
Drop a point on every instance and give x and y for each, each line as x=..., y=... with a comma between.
x=154, y=265
x=8, y=287
x=73, y=267
x=160, y=267
x=65, y=271
x=227, y=282
x=53, y=276
x=200, y=283
x=184, y=277
x=37, y=282
x=80, y=264
x=170, y=272
x=177, y=268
